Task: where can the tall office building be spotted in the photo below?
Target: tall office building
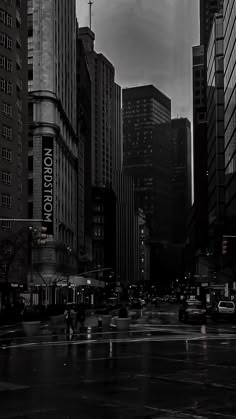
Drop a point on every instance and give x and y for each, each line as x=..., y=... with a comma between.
x=230, y=112
x=215, y=117
x=208, y=8
x=85, y=156
x=181, y=176
x=53, y=142
x=200, y=148
x=13, y=141
x=104, y=93
x=144, y=108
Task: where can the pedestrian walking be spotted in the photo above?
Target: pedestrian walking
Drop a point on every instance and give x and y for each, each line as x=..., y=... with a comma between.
x=68, y=319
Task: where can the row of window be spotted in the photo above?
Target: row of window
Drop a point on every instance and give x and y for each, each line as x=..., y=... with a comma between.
x=5, y=41
x=6, y=200
x=5, y=18
x=6, y=64
x=6, y=86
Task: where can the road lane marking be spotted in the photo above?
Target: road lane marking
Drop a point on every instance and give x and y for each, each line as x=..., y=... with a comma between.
x=174, y=412
x=191, y=361
x=192, y=339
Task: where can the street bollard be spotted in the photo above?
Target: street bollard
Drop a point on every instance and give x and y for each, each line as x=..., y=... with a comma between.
x=100, y=322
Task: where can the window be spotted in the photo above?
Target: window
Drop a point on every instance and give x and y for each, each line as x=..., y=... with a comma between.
x=6, y=247
x=6, y=200
x=6, y=132
x=9, y=65
x=2, y=62
x=9, y=21
x=2, y=85
x=2, y=16
x=7, y=109
x=9, y=43
x=2, y=39
x=5, y=225
x=6, y=154
x=9, y=88
x=6, y=177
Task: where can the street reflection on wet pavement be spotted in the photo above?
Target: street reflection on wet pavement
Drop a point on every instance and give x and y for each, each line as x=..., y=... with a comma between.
x=160, y=368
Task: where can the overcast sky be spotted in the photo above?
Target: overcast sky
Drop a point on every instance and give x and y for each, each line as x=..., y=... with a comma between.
x=148, y=41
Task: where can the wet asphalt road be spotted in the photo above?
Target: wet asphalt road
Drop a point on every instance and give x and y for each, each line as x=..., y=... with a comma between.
x=159, y=369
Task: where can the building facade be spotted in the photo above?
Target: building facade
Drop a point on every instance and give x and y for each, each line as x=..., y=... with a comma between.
x=181, y=177
x=53, y=141
x=85, y=163
x=200, y=179
x=144, y=247
x=230, y=112
x=13, y=142
x=127, y=230
x=215, y=117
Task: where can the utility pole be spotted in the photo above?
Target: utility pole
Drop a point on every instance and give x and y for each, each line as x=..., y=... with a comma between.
x=90, y=3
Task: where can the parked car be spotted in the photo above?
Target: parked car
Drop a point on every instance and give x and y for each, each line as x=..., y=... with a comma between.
x=192, y=310
x=224, y=310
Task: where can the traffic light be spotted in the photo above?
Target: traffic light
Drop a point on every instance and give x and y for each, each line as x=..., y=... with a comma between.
x=224, y=247
x=38, y=236
x=42, y=236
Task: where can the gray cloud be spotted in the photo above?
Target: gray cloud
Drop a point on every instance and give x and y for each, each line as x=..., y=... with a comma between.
x=148, y=41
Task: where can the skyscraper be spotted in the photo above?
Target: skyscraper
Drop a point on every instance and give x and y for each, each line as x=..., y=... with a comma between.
x=53, y=142
x=14, y=145
x=215, y=117
x=103, y=102
x=144, y=108
x=230, y=112
x=200, y=147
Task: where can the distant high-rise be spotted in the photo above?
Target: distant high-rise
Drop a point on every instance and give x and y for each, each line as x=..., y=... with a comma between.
x=14, y=142
x=144, y=108
x=181, y=176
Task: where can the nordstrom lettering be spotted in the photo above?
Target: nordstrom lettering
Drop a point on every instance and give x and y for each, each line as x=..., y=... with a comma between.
x=47, y=180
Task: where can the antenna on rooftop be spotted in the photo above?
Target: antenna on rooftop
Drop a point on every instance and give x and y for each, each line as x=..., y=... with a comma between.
x=90, y=3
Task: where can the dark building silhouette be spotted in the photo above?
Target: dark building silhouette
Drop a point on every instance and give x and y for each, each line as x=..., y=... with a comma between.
x=14, y=143
x=181, y=177
x=144, y=108
x=147, y=158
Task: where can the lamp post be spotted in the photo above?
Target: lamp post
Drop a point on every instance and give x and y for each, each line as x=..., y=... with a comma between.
x=68, y=251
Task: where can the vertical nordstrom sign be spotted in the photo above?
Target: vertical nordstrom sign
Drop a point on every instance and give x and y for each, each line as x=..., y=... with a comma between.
x=47, y=183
